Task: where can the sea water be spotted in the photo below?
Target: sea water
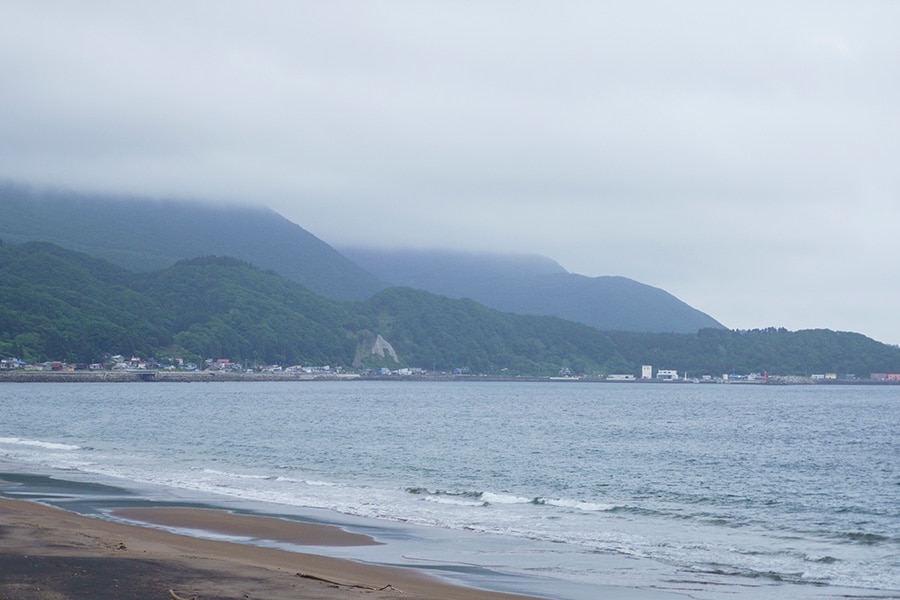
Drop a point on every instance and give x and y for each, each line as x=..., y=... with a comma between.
x=707, y=491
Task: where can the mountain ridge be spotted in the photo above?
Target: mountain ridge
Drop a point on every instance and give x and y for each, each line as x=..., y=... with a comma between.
x=145, y=234
x=58, y=304
x=535, y=285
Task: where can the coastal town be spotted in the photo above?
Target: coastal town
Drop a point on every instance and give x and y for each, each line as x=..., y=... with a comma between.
x=133, y=368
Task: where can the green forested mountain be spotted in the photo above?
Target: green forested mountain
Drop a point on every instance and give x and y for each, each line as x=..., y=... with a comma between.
x=433, y=330
x=57, y=304
x=62, y=305
x=224, y=307
x=718, y=351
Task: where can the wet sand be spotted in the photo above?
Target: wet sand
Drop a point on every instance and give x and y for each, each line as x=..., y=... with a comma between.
x=251, y=527
x=51, y=554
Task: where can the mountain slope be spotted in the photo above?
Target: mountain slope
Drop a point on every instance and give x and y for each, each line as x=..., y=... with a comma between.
x=143, y=235
x=772, y=350
x=57, y=304
x=429, y=330
x=224, y=307
x=537, y=286
x=62, y=305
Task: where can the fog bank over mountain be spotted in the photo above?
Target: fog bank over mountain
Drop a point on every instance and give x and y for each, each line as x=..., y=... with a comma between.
x=532, y=284
x=146, y=234
x=740, y=155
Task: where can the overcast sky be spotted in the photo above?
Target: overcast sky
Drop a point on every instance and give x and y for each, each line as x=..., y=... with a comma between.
x=744, y=156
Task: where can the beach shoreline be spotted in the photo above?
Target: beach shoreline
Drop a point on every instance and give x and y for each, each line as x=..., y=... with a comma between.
x=483, y=486
x=49, y=553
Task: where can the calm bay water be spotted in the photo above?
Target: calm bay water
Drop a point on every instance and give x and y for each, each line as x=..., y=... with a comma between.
x=711, y=491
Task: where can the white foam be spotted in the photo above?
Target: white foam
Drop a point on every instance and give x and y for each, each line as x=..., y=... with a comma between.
x=493, y=498
x=230, y=475
x=577, y=504
x=14, y=441
x=454, y=500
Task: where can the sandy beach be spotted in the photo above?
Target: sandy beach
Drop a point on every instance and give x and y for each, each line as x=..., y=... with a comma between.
x=51, y=554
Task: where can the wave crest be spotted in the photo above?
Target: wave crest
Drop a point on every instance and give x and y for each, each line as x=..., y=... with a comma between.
x=14, y=441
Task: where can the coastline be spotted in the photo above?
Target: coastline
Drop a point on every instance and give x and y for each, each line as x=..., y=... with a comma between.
x=149, y=376
x=49, y=553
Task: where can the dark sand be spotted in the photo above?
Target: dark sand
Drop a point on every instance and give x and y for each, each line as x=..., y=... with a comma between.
x=51, y=554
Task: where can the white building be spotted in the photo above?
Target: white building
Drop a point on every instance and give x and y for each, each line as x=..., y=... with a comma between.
x=647, y=372
x=667, y=374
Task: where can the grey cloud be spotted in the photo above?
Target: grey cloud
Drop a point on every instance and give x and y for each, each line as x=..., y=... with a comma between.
x=739, y=155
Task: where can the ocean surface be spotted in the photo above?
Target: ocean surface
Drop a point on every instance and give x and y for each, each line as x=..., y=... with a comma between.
x=557, y=489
